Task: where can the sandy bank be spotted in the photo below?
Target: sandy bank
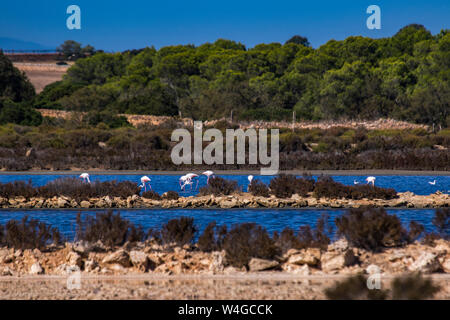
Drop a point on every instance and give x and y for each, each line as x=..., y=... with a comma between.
x=248, y=287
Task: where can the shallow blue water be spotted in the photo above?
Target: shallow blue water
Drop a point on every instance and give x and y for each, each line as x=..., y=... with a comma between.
x=271, y=219
x=163, y=183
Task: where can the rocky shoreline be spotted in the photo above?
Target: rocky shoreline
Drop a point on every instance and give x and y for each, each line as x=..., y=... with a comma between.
x=339, y=258
x=150, y=271
x=241, y=200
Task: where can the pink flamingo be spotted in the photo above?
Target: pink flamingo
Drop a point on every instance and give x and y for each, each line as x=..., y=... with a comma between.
x=182, y=181
x=371, y=180
x=144, y=181
x=209, y=174
x=250, y=179
x=85, y=177
x=187, y=179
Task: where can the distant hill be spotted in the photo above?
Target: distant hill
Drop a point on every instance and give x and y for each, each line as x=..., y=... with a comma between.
x=17, y=44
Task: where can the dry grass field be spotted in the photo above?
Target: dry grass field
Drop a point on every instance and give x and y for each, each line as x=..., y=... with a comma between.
x=42, y=74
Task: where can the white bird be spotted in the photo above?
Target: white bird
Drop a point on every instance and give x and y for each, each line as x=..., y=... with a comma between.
x=209, y=174
x=144, y=181
x=355, y=182
x=85, y=177
x=432, y=182
x=371, y=180
x=250, y=179
x=181, y=181
x=187, y=180
x=191, y=175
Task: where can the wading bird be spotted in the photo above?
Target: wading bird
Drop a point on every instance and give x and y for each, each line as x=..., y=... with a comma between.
x=371, y=180
x=181, y=181
x=85, y=177
x=209, y=174
x=432, y=182
x=250, y=179
x=144, y=181
x=187, y=180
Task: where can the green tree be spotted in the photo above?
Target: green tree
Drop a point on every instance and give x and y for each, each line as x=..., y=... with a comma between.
x=70, y=49
x=299, y=40
x=14, y=84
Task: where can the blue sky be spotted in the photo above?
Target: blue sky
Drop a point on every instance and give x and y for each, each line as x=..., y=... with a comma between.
x=115, y=26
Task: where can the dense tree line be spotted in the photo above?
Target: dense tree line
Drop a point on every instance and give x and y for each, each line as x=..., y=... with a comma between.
x=405, y=77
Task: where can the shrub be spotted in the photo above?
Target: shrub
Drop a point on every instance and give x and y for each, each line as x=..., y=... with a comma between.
x=219, y=186
x=413, y=287
x=207, y=241
x=17, y=188
x=109, y=118
x=108, y=228
x=171, y=195
x=415, y=230
x=19, y=113
x=122, y=189
x=79, y=190
x=248, y=240
x=136, y=234
x=371, y=192
x=354, y=288
x=441, y=221
x=28, y=234
x=49, y=97
x=305, y=185
x=328, y=188
x=409, y=287
x=285, y=240
x=371, y=229
x=283, y=186
x=430, y=238
x=180, y=231
x=258, y=188
x=306, y=236
x=151, y=195
x=154, y=234
x=319, y=237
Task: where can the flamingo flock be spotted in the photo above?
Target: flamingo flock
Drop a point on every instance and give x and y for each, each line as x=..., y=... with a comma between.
x=189, y=179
